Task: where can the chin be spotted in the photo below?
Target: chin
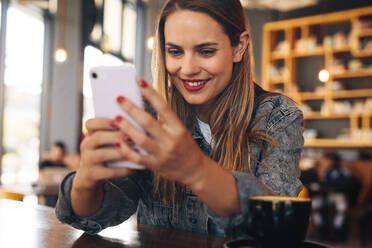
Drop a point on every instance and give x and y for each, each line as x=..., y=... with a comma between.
x=194, y=98
x=195, y=101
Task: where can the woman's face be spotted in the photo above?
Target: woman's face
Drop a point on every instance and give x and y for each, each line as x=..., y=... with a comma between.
x=199, y=56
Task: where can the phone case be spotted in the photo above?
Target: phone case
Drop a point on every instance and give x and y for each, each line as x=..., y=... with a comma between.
x=108, y=82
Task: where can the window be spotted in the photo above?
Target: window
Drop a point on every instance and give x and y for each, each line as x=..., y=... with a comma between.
x=0, y=13
x=23, y=85
x=111, y=24
x=129, y=32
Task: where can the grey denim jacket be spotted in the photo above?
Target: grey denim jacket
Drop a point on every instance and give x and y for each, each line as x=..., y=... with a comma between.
x=278, y=173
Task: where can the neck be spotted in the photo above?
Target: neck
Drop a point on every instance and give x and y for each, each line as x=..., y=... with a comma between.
x=203, y=112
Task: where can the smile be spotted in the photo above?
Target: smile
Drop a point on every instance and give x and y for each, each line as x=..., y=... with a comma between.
x=194, y=85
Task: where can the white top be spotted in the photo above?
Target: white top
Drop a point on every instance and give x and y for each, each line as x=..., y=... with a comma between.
x=207, y=133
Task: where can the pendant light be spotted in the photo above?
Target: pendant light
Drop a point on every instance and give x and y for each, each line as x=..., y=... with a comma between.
x=60, y=54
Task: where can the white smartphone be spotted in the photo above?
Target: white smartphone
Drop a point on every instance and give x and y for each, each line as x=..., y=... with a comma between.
x=109, y=82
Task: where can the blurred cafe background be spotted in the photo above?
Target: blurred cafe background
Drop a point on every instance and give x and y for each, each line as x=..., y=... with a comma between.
x=318, y=52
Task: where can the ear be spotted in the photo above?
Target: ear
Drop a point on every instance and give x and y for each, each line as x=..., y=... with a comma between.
x=241, y=47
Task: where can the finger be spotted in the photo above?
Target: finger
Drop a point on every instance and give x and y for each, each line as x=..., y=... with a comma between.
x=133, y=155
x=128, y=140
x=103, y=173
x=136, y=136
x=103, y=155
x=96, y=124
x=160, y=105
x=101, y=138
x=144, y=119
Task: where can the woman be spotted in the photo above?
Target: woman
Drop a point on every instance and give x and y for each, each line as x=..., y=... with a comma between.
x=218, y=139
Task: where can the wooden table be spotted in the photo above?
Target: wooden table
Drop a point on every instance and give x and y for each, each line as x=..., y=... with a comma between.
x=47, y=194
x=24, y=225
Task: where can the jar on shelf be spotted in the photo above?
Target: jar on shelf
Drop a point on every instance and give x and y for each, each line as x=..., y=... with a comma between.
x=355, y=64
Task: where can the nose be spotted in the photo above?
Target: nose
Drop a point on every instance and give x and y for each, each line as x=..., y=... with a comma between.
x=189, y=66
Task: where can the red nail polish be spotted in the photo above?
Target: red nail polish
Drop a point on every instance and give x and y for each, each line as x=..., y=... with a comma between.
x=128, y=139
x=119, y=118
x=113, y=124
x=120, y=99
x=143, y=84
x=117, y=144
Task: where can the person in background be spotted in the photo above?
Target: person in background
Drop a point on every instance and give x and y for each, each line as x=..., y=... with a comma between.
x=218, y=137
x=52, y=169
x=365, y=201
x=310, y=179
x=339, y=193
x=55, y=157
x=337, y=179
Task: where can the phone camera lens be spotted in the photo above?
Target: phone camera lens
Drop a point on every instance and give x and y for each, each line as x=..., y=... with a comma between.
x=94, y=75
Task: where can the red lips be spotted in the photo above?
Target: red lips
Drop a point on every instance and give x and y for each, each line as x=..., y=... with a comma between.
x=194, y=88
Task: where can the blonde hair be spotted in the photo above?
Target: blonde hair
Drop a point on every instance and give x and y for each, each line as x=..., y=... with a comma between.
x=231, y=118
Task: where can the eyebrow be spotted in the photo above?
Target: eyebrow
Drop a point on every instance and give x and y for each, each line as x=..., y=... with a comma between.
x=197, y=46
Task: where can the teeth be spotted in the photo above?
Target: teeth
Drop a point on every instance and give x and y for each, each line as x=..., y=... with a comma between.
x=194, y=84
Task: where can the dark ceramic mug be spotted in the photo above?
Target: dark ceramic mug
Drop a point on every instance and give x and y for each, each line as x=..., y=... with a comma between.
x=279, y=221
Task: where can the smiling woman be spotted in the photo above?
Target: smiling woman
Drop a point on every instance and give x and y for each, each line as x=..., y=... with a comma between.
x=217, y=138
x=199, y=57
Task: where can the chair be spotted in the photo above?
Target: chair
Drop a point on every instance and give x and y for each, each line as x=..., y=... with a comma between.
x=5, y=194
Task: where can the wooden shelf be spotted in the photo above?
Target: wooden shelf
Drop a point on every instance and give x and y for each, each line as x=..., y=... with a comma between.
x=339, y=50
x=351, y=93
x=319, y=115
x=324, y=56
x=337, y=143
x=315, y=52
x=364, y=33
x=310, y=95
x=333, y=94
x=276, y=80
x=335, y=17
x=279, y=55
x=354, y=74
x=362, y=53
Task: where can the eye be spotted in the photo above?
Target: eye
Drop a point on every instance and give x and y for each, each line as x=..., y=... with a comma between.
x=174, y=52
x=207, y=52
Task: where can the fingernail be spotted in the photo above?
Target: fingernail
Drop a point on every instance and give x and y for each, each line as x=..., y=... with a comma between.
x=143, y=84
x=118, y=118
x=120, y=99
x=127, y=139
x=113, y=124
x=117, y=144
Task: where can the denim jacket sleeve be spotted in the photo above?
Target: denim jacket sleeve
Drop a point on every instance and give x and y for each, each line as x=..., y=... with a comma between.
x=120, y=200
x=277, y=173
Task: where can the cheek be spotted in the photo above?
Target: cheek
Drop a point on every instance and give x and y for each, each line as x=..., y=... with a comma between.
x=170, y=65
x=221, y=66
x=222, y=63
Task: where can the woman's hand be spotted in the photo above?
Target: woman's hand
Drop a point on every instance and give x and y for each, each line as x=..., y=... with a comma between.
x=97, y=148
x=172, y=152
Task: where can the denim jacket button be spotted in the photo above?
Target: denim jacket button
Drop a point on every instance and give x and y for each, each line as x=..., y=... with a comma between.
x=193, y=220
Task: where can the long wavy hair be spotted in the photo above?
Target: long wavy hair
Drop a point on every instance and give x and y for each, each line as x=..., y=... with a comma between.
x=230, y=119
